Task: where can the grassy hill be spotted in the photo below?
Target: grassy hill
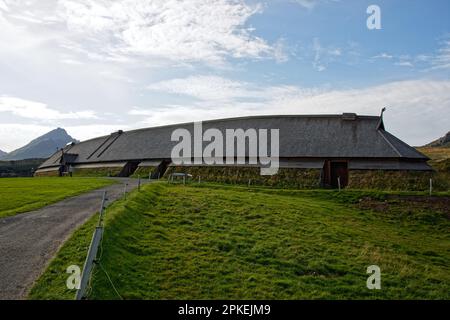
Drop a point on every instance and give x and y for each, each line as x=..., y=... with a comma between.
x=440, y=157
x=439, y=153
x=229, y=242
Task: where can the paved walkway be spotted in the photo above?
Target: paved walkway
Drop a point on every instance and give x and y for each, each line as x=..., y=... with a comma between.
x=29, y=240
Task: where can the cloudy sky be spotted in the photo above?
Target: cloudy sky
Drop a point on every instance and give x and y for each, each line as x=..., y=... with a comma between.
x=96, y=66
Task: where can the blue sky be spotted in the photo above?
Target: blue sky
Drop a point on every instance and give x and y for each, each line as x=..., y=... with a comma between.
x=409, y=29
x=96, y=66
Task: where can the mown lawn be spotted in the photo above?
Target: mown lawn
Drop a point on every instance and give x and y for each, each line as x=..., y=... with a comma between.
x=24, y=194
x=225, y=242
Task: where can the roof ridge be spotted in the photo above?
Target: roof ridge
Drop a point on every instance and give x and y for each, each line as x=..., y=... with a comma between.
x=388, y=142
x=107, y=138
x=404, y=144
x=337, y=116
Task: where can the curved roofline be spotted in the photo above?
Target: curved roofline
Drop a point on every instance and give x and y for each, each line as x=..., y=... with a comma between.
x=311, y=135
x=240, y=118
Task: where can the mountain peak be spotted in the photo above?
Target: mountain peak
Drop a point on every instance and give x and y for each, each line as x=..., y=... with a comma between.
x=54, y=134
x=43, y=146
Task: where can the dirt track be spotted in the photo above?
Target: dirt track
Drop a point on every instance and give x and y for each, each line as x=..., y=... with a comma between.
x=29, y=240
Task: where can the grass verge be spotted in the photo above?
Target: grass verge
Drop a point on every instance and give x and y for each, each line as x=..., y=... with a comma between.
x=213, y=242
x=19, y=195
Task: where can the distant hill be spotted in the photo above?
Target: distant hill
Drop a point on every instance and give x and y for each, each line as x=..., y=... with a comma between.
x=2, y=154
x=439, y=153
x=41, y=147
x=441, y=142
x=19, y=168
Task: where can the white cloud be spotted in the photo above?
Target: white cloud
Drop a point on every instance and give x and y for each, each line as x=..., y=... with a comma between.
x=442, y=59
x=39, y=111
x=404, y=64
x=203, y=87
x=216, y=89
x=311, y=4
x=383, y=55
x=193, y=30
x=279, y=51
x=71, y=61
x=308, y=4
x=317, y=63
x=335, y=52
x=323, y=56
x=3, y=6
x=84, y=132
x=137, y=111
x=125, y=30
x=109, y=74
x=438, y=60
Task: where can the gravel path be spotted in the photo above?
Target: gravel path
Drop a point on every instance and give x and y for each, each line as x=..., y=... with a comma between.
x=29, y=240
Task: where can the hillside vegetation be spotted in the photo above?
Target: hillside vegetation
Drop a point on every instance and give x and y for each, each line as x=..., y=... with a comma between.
x=441, y=142
x=440, y=157
x=19, y=168
x=171, y=241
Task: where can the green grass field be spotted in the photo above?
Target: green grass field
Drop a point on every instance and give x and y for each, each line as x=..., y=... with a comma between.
x=228, y=242
x=24, y=194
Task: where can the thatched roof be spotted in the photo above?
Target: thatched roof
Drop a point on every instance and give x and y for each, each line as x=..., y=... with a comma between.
x=304, y=136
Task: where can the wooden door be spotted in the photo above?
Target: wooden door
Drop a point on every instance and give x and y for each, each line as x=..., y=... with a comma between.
x=339, y=169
